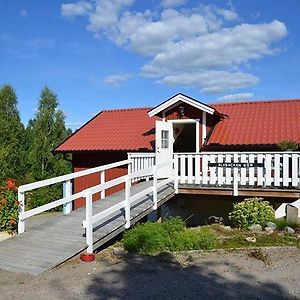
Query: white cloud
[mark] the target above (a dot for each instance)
(235, 97)
(172, 3)
(204, 46)
(23, 13)
(80, 8)
(116, 79)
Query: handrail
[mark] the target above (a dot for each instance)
(237, 152)
(91, 219)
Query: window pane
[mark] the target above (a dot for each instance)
(164, 139)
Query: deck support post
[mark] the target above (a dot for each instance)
(127, 200)
(21, 222)
(154, 187)
(89, 223)
(176, 178)
(102, 180)
(67, 192)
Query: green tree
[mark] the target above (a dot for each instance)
(12, 136)
(46, 131)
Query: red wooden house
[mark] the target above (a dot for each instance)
(180, 124)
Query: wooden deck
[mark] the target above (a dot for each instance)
(62, 236)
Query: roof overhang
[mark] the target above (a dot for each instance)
(180, 98)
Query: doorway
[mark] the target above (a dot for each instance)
(185, 139)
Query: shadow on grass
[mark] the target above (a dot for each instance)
(142, 277)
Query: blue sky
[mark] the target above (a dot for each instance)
(102, 54)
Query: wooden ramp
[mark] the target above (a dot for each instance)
(62, 237)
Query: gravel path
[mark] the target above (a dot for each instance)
(195, 275)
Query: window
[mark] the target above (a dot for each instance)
(164, 139)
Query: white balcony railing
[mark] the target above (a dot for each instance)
(252, 169)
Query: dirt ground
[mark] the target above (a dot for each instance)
(273, 273)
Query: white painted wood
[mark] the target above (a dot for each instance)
(198, 136)
(154, 187)
(243, 171)
(220, 170)
(212, 170)
(235, 175)
(277, 177)
(127, 202)
(89, 224)
(102, 181)
(197, 169)
(182, 168)
(286, 169)
(228, 171)
(21, 222)
(205, 176)
(295, 170)
(67, 192)
(176, 172)
(164, 147)
(190, 169)
(251, 170)
(268, 170)
(260, 170)
(203, 127)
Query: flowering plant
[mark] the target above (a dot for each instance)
(9, 206)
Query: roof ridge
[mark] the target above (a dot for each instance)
(257, 101)
(125, 109)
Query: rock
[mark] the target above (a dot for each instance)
(255, 227)
(289, 229)
(269, 230)
(271, 225)
(291, 214)
(227, 228)
(216, 220)
(119, 251)
(251, 239)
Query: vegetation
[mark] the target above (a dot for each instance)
(25, 153)
(251, 211)
(8, 206)
(173, 236)
(288, 145)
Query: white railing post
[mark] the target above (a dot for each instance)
(67, 192)
(89, 224)
(102, 180)
(176, 177)
(235, 176)
(21, 222)
(155, 187)
(127, 202)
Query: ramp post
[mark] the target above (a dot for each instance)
(21, 222)
(127, 200)
(155, 187)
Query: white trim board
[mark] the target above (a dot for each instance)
(181, 98)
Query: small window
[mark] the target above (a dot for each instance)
(164, 139)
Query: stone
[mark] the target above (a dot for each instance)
(119, 251)
(289, 229)
(291, 214)
(255, 227)
(216, 220)
(271, 225)
(269, 230)
(227, 228)
(251, 239)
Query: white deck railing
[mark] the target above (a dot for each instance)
(252, 169)
(140, 161)
(67, 199)
(91, 219)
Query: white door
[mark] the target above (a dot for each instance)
(164, 147)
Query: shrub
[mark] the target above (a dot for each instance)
(281, 224)
(286, 145)
(251, 211)
(171, 235)
(9, 206)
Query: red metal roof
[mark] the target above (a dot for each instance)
(122, 129)
(257, 123)
(248, 123)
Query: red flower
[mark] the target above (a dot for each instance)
(17, 203)
(11, 184)
(12, 222)
(3, 201)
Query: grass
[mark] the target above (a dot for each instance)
(173, 236)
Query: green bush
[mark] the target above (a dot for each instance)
(251, 211)
(9, 206)
(286, 145)
(281, 224)
(171, 235)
